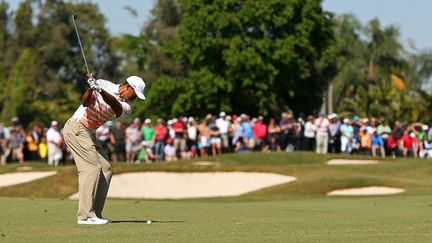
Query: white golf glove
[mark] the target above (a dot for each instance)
(94, 85)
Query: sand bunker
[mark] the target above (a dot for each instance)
(205, 163)
(366, 191)
(351, 162)
(15, 178)
(162, 185)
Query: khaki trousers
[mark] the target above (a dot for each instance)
(94, 169)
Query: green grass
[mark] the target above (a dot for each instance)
(295, 212)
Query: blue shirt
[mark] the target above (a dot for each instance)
(247, 130)
(348, 130)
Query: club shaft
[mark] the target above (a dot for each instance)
(80, 44)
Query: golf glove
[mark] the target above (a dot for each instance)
(95, 86)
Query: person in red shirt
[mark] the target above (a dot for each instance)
(408, 143)
(161, 132)
(259, 130)
(393, 145)
(180, 137)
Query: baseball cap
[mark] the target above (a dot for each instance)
(54, 123)
(222, 114)
(147, 121)
(138, 85)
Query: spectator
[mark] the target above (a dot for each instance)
(102, 136)
(145, 154)
(240, 146)
(408, 143)
(170, 151)
(377, 143)
(32, 147)
(215, 140)
(384, 130)
(260, 133)
(55, 141)
(347, 136)
(148, 133)
(179, 128)
(356, 124)
(322, 137)
(287, 134)
(248, 136)
(223, 124)
(133, 140)
(192, 136)
(118, 140)
(43, 149)
(334, 135)
(365, 141)
(309, 134)
(204, 137)
(161, 133)
(427, 147)
(393, 146)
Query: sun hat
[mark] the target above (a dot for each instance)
(138, 85)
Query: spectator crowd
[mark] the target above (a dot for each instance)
(190, 137)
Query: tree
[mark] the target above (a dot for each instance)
(247, 56)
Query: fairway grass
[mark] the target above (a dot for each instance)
(371, 219)
(300, 211)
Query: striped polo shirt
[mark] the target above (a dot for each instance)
(100, 112)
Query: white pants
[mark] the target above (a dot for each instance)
(54, 154)
(346, 145)
(321, 142)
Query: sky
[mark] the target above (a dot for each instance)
(411, 16)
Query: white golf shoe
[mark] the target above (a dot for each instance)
(93, 220)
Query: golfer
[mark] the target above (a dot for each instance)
(102, 102)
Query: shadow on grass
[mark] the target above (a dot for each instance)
(145, 221)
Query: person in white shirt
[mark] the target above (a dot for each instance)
(223, 125)
(309, 134)
(54, 140)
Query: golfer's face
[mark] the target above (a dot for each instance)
(127, 92)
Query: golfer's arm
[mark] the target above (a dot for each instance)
(113, 102)
(87, 97)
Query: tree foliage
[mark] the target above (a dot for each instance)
(248, 56)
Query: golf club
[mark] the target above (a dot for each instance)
(74, 17)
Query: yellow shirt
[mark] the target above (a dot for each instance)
(43, 150)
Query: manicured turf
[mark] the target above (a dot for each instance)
(296, 212)
(372, 219)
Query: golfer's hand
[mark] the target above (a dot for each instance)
(95, 86)
(90, 77)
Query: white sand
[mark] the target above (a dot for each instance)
(15, 178)
(366, 191)
(205, 163)
(351, 162)
(163, 185)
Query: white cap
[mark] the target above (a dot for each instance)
(222, 114)
(191, 119)
(54, 123)
(425, 127)
(138, 85)
(332, 116)
(147, 121)
(346, 120)
(365, 120)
